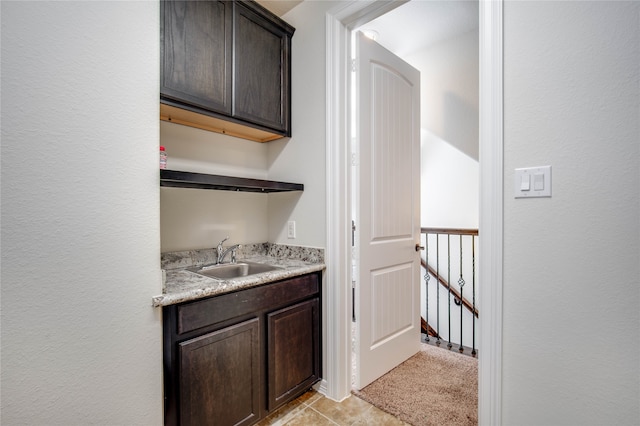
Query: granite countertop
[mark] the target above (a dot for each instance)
(182, 284)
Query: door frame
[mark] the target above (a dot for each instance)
(339, 22)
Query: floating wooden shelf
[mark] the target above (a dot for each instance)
(177, 179)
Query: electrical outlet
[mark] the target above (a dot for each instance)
(291, 229)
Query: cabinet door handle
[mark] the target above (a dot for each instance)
(419, 247)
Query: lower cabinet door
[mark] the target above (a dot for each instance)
(220, 376)
(293, 336)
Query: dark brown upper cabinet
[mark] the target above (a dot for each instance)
(226, 67)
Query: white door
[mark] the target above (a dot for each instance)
(387, 302)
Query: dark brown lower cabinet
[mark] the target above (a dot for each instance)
(229, 360)
(232, 359)
(293, 336)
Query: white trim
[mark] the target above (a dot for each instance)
(337, 276)
(322, 387)
(339, 20)
(338, 342)
(491, 213)
(351, 14)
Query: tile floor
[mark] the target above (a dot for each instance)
(313, 408)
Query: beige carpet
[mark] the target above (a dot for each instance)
(434, 387)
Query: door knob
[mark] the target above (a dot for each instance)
(419, 247)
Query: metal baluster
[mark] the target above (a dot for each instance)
(438, 289)
(426, 281)
(449, 345)
(461, 284)
(473, 282)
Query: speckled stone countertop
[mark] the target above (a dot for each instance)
(182, 284)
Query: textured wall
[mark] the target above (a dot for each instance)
(449, 137)
(449, 186)
(449, 88)
(302, 158)
(195, 218)
(572, 262)
(81, 343)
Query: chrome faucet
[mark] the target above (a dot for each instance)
(222, 252)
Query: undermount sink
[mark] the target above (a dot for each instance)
(227, 271)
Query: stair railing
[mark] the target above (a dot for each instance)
(462, 264)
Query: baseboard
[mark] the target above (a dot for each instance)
(321, 387)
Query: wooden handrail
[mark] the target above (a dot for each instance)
(427, 329)
(456, 231)
(453, 291)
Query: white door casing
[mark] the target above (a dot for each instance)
(388, 218)
(339, 22)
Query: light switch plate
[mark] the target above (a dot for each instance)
(533, 182)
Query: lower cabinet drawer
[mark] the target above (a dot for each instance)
(202, 313)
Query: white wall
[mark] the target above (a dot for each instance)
(196, 218)
(196, 150)
(449, 95)
(81, 343)
(571, 343)
(449, 185)
(449, 90)
(302, 158)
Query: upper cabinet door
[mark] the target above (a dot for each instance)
(262, 69)
(196, 43)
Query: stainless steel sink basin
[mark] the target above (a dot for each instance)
(227, 271)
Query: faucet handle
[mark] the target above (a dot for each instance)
(233, 253)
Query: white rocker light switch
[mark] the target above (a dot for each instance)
(538, 182)
(541, 177)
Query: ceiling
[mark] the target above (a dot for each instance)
(279, 7)
(420, 23)
(413, 25)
